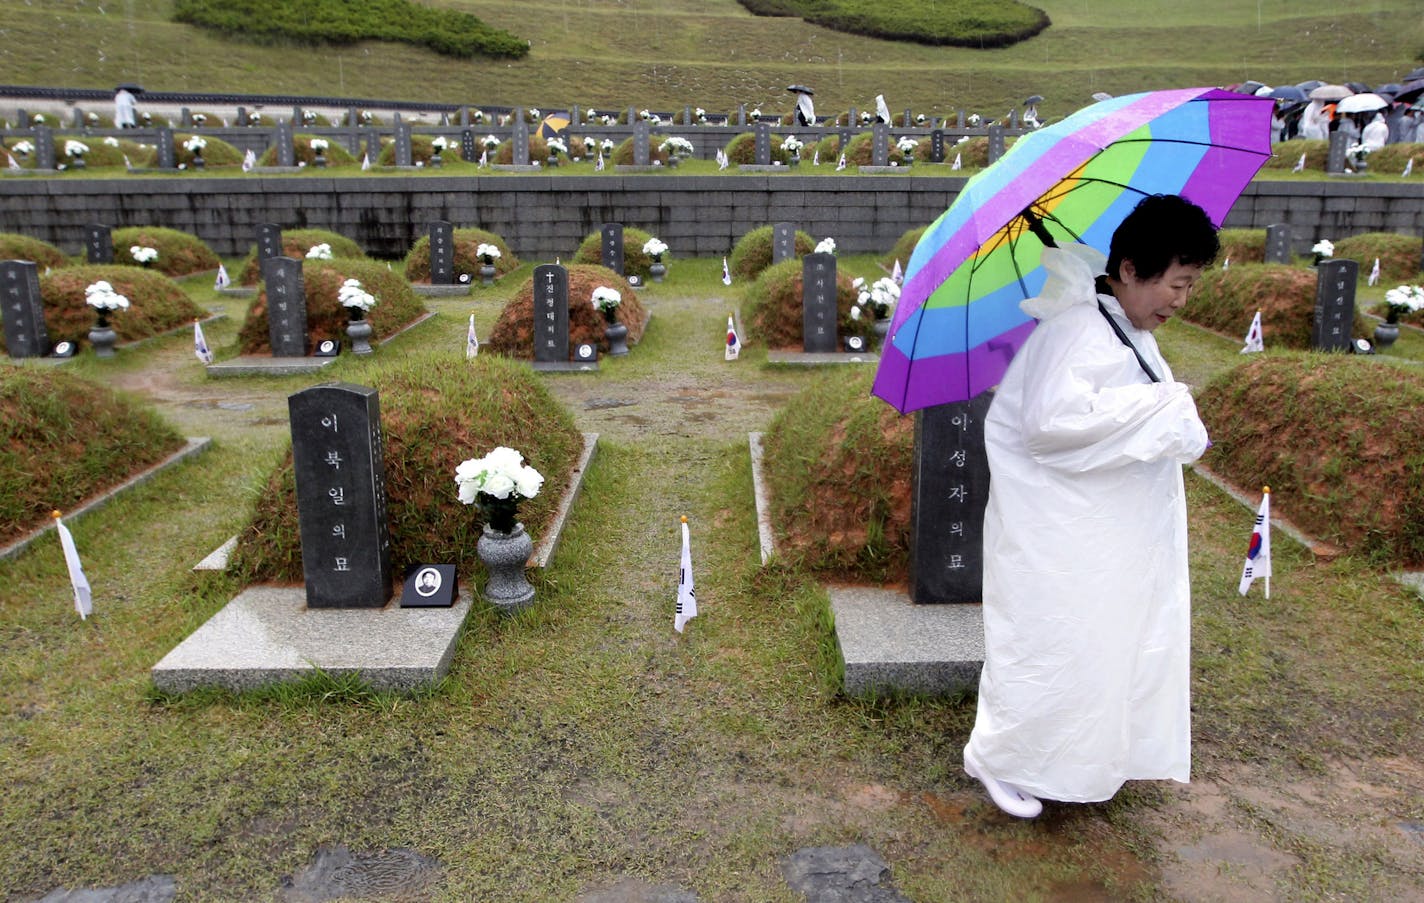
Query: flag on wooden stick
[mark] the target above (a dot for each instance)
(726, 273)
(83, 598)
(734, 341)
(1254, 336)
(686, 598)
(1258, 555)
(472, 344)
(222, 280)
(200, 344)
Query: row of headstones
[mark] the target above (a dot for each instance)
(879, 143)
(1334, 292)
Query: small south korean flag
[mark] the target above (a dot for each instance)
(200, 344)
(1258, 555)
(1254, 336)
(734, 341)
(726, 273)
(686, 598)
(222, 280)
(472, 344)
(1299, 164)
(249, 161)
(898, 274)
(1375, 272)
(83, 597)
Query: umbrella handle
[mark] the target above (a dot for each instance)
(1036, 226)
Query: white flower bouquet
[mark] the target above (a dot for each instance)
(792, 145)
(606, 300)
(477, 117)
(319, 252)
(654, 247)
(826, 246)
(607, 146)
(195, 143)
(645, 115)
(489, 142)
(592, 115)
(487, 253)
(200, 118)
(556, 146)
(352, 295)
(677, 147)
(92, 118)
(755, 115)
(610, 120)
(879, 298)
(906, 145)
(1405, 299)
(37, 119)
(22, 148)
(589, 144)
(701, 115)
(1323, 249)
(921, 119)
(75, 148)
(440, 143)
(143, 254)
(102, 297)
(319, 145)
(111, 141)
(497, 483)
(1357, 154)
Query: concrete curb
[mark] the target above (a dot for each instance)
(763, 500)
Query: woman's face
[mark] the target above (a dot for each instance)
(1149, 303)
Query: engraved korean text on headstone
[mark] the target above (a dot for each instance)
(286, 306)
(551, 313)
(23, 310)
(818, 302)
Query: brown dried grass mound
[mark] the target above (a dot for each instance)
(1242, 245)
(295, 244)
(437, 410)
(156, 303)
(1398, 255)
(14, 246)
(838, 462)
(1226, 300)
(63, 440)
(513, 333)
(752, 253)
(179, 254)
(636, 262)
(1338, 438)
(467, 262)
(775, 312)
(1286, 154)
(396, 304)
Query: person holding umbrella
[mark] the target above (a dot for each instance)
(805, 107)
(124, 107)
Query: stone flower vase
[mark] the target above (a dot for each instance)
(319, 159)
(359, 330)
(102, 337)
(504, 548)
(77, 162)
(615, 332)
(1387, 333)
(487, 273)
(658, 269)
(881, 326)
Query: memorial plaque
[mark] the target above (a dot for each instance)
(551, 313)
(1278, 243)
(1335, 156)
(762, 143)
(844, 137)
(25, 333)
(642, 154)
(909, 120)
(338, 461)
(520, 140)
(783, 242)
(44, 148)
(468, 149)
(818, 303)
(286, 151)
(1334, 305)
(98, 243)
(269, 241)
(880, 144)
(996, 142)
(937, 146)
(241, 117)
(442, 253)
(612, 246)
(373, 147)
(951, 488)
(430, 586)
(286, 306)
(185, 118)
(403, 154)
(167, 153)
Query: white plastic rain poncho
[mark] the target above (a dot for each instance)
(1086, 596)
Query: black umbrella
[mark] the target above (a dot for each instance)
(1288, 92)
(1249, 87)
(1416, 74)
(1358, 87)
(130, 87)
(1392, 89)
(1033, 99)
(800, 89)
(1311, 85)
(1410, 91)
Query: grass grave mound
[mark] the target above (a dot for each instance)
(216, 152)
(774, 309)
(437, 410)
(1242, 245)
(396, 303)
(1340, 444)
(295, 244)
(1225, 301)
(1398, 255)
(1391, 159)
(336, 153)
(838, 463)
(63, 440)
(904, 248)
(538, 151)
(14, 246)
(623, 153)
(422, 151)
(156, 303)
(636, 261)
(467, 262)
(1286, 154)
(513, 332)
(741, 150)
(179, 254)
(752, 253)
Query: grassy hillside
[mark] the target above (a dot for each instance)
(712, 53)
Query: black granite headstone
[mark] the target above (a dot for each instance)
(352, 117)
(996, 142)
(269, 241)
(352, 139)
(286, 151)
(286, 306)
(844, 136)
(1334, 305)
(880, 144)
(98, 243)
(520, 140)
(78, 118)
(686, 116)
(908, 121)
(1013, 119)
(612, 246)
(853, 117)
(373, 147)
(951, 488)
(959, 119)
(298, 115)
(1335, 156)
(551, 313)
(404, 155)
(818, 303)
(741, 115)
(339, 463)
(167, 154)
(464, 116)
(762, 143)
(22, 119)
(185, 118)
(241, 117)
(1278, 243)
(442, 253)
(937, 146)
(25, 333)
(468, 149)
(45, 157)
(642, 153)
(783, 242)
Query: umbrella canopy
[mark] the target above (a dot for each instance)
(1288, 92)
(1250, 87)
(1390, 89)
(1033, 99)
(1330, 92)
(1361, 103)
(553, 125)
(799, 89)
(958, 322)
(1410, 91)
(1357, 87)
(1416, 74)
(1309, 86)
(130, 87)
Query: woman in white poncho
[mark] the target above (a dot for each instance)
(1086, 595)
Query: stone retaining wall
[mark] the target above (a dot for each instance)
(542, 217)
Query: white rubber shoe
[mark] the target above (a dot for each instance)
(1006, 796)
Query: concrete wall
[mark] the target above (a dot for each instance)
(542, 217)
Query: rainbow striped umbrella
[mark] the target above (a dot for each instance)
(958, 322)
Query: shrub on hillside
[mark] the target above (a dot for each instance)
(958, 23)
(156, 303)
(1226, 300)
(336, 153)
(1286, 154)
(775, 311)
(1359, 483)
(635, 261)
(437, 410)
(838, 462)
(397, 305)
(513, 332)
(65, 440)
(752, 252)
(295, 244)
(467, 262)
(1398, 255)
(179, 253)
(14, 246)
(1242, 245)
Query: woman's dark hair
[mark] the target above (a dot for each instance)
(1161, 230)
